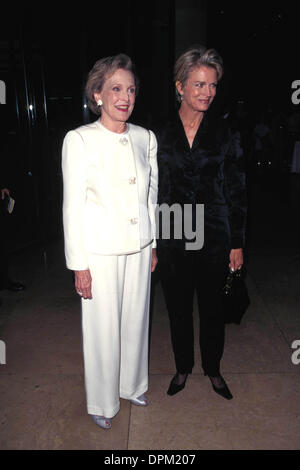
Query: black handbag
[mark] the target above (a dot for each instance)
(235, 298)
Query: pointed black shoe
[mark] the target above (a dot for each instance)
(223, 391)
(175, 388)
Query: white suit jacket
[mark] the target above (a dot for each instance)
(110, 192)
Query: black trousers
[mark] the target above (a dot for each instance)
(182, 274)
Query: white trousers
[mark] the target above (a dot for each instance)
(115, 325)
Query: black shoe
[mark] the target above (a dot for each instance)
(12, 286)
(223, 390)
(174, 387)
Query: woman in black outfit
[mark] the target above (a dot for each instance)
(200, 162)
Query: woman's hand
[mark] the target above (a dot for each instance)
(236, 259)
(154, 260)
(83, 283)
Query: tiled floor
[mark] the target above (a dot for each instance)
(42, 389)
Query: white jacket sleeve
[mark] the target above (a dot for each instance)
(74, 197)
(153, 189)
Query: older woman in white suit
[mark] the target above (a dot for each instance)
(110, 192)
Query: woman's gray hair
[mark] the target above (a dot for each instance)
(101, 71)
(196, 56)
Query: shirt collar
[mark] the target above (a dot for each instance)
(201, 131)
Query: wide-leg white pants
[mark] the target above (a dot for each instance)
(115, 325)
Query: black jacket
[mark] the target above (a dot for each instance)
(209, 173)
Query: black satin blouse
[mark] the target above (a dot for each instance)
(209, 173)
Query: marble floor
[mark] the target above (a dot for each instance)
(42, 388)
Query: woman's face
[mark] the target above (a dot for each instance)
(200, 88)
(118, 97)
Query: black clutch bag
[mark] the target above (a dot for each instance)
(235, 298)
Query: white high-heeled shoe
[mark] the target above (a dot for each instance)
(142, 400)
(101, 421)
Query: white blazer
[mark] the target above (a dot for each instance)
(110, 192)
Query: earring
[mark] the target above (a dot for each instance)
(99, 103)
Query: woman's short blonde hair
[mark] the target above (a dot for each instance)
(196, 56)
(101, 71)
